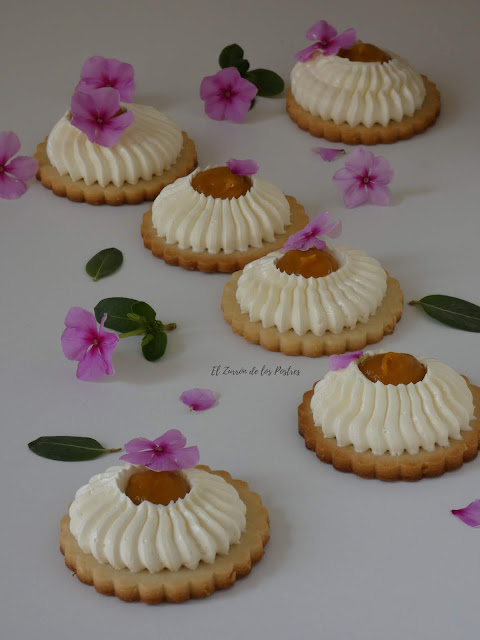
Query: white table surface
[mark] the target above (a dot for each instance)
(349, 559)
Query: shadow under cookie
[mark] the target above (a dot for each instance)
(291, 344)
(410, 467)
(176, 586)
(218, 262)
(79, 191)
(408, 127)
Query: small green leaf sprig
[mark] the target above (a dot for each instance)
(268, 83)
(451, 311)
(104, 263)
(69, 448)
(130, 317)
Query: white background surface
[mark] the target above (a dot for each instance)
(349, 559)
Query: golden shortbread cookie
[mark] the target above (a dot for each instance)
(288, 342)
(218, 262)
(176, 586)
(78, 191)
(376, 134)
(411, 467)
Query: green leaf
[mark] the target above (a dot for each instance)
(451, 311)
(117, 310)
(154, 345)
(145, 310)
(68, 448)
(242, 66)
(230, 56)
(267, 82)
(104, 263)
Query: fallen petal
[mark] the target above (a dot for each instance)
(199, 399)
(469, 515)
(328, 155)
(342, 361)
(242, 167)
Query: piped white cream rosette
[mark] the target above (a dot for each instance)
(349, 407)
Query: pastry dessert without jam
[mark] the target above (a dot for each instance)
(313, 302)
(360, 95)
(392, 416)
(218, 220)
(170, 535)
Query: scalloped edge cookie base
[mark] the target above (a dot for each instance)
(408, 127)
(290, 344)
(408, 467)
(176, 586)
(218, 262)
(78, 191)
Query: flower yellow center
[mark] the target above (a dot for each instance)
(100, 120)
(95, 342)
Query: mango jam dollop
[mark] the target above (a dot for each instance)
(220, 182)
(364, 52)
(393, 368)
(159, 487)
(312, 263)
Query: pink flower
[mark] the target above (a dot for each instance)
(98, 72)
(364, 179)
(227, 95)
(167, 453)
(91, 347)
(14, 174)
(328, 155)
(242, 167)
(94, 113)
(199, 399)
(469, 515)
(328, 40)
(342, 361)
(308, 236)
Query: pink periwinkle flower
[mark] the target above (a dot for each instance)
(166, 453)
(364, 179)
(342, 361)
(98, 72)
(307, 237)
(227, 95)
(243, 167)
(328, 42)
(94, 113)
(199, 399)
(328, 155)
(91, 347)
(14, 174)
(469, 515)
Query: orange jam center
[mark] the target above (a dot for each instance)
(312, 263)
(220, 182)
(393, 368)
(159, 487)
(364, 52)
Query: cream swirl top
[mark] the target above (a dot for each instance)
(393, 418)
(365, 93)
(195, 221)
(107, 524)
(148, 147)
(287, 301)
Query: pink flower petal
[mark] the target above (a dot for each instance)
(139, 444)
(93, 366)
(163, 462)
(10, 187)
(244, 88)
(82, 106)
(144, 458)
(111, 132)
(379, 195)
(344, 41)
(215, 108)
(98, 72)
(237, 109)
(9, 146)
(322, 31)
(355, 195)
(210, 87)
(382, 171)
(469, 515)
(344, 176)
(186, 458)
(333, 230)
(242, 167)
(81, 319)
(305, 54)
(228, 77)
(199, 399)
(308, 236)
(342, 361)
(171, 439)
(75, 343)
(22, 167)
(227, 95)
(328, 155)
(361, 161)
